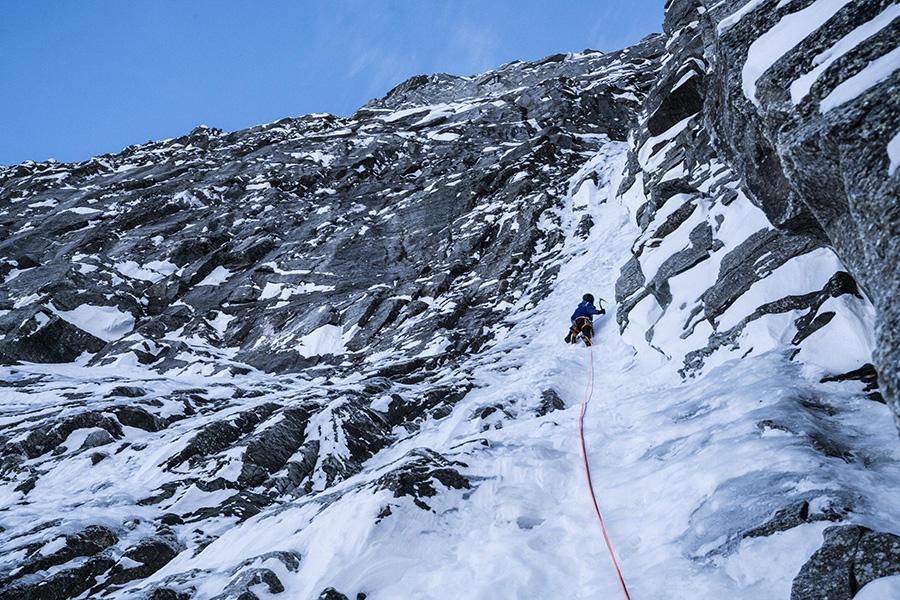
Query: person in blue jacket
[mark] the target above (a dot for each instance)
(583, 320)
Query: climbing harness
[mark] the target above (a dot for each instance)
(583, 326)
(588, 393)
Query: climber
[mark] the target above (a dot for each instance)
(583, 320)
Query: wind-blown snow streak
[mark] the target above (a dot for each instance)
(800, 87)
(780, 39)
(875, 72)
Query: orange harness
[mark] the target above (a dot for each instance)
(580, 323)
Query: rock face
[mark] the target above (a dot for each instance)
(708, 160)
(785, 113)
(304, 248)
(797, 101)
(809, 129)
(238, 329)
(212, 234)
(850, 558)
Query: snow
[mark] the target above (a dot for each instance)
(847, 342)
(799, 275)
(759, 561)
(185, 197)
(782, 38)
(327, 339)
(435, 347)
(13, 274)
(105, 322)
(681, 468)
(672, 243)
(26, 300)
(83, 210)
(280, 271)
(733, 18)
(886, 588)
(285, 291)
(45, 204)
(444, 137)
(875, 72)
(801, 86)
(194, 499)
(220, 322)
(893, 150)
(57, 544)
(743, 219)
(676, 468)
(218, 276)
(645, 153)
(272, 290)
(316, 156)
(152, 271)
(401, 114)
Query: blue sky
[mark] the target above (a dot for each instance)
(78, 79)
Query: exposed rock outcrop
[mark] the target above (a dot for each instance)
(850, 557)
(808, 130)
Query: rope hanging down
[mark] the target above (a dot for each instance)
(587, 471)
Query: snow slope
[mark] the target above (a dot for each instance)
(324, 359)
(682, 469)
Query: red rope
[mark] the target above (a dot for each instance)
(587, 471)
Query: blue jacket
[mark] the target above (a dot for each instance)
(586, 309)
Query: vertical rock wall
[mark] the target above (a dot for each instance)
(762, 167)
(804, 100)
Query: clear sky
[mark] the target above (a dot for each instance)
(78, 79)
